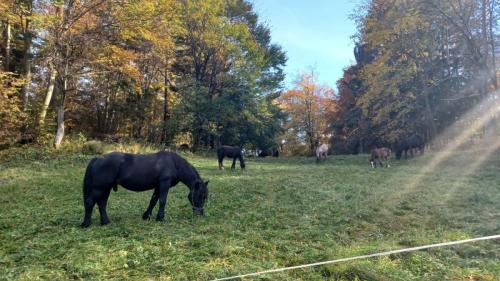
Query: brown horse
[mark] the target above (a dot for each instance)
(379, 155)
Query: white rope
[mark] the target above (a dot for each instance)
(388, 253)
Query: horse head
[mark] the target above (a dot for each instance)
(198, 195)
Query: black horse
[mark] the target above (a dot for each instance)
(409, 145)
(232, 152)
(269, 152)
(158, 171)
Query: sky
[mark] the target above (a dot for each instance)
(315, 34)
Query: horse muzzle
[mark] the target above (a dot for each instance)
(198, 211)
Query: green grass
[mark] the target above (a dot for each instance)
(279, 212)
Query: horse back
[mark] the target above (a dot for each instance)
(133, 171)
(229, 151)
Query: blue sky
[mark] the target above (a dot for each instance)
(314, 33)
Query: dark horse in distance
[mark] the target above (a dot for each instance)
(414, 142)
(380, 155)
(231, 152)
(159, 171)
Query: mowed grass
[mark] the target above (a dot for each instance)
(279, 212)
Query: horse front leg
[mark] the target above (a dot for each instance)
(152, 204)
(162, 197)
(221, 163)
(102, 201)
(233, 166)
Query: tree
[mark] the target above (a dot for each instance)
(233, 68)
(309, 108)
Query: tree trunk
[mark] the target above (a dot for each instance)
(48, 97)
(60, 111)
(26, 63)
(311, 142)
(104, 126)
(429, 116)
(7, 46)
(60, 127)
(166, 113)
(60, 116)
(492, 44)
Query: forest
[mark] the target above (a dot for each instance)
(206, 73)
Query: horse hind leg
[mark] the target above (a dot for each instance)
(102, 201)
(88, 204)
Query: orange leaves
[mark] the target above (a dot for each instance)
(120, 60)
(309, 106)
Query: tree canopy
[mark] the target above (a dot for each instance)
(205, 72)
(420, 65)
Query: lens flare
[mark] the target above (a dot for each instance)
(476, 119)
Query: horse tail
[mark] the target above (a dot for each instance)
(87, 179)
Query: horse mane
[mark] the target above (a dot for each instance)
(181, 163)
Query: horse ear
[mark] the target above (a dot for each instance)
(206, 183)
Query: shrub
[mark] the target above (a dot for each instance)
(93, 147)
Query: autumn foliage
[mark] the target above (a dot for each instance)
(310, 108)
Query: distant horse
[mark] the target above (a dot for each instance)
(231, 152)
(269, 152)
(379, 155)
(414, 142)
(159, 171)
(184, 147)
(321, 152)
(264, 153)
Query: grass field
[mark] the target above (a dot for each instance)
(279, 212)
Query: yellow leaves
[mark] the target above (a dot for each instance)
(11, 116)
(121, 60)
(154, 21)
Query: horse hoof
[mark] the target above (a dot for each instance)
(145, 217)
(103, 223)
(160, 219)
(85, 224)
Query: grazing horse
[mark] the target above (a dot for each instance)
(321, 152)
(231, 152)
(409, 145)
(159, 171)
(379, 155)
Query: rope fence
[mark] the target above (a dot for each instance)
(388, 253)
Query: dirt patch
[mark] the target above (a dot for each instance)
(4, 181)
